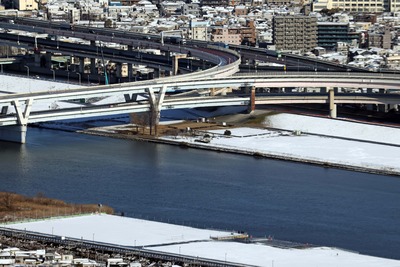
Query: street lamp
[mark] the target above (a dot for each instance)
(79, 77)
(27, 70)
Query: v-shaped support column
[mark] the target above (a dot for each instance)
(22, 116)
(156, 105)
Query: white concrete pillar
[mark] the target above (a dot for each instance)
(332, 105)
(156, 105)
(175, 66)
(15, 133)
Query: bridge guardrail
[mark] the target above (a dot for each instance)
(322, 74)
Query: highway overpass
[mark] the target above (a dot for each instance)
(159, 97)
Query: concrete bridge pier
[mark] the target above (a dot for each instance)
(252, 106)
(332, 105)
(38, 58)
(81, 64)
(155, 106)
(14, 133)
(130, 74)
(93, 69)
(383, 108)
(130, 48)
(175, 63)
(118, 72)
(17, 133)
(48, 64)
(156, 73)
(43, 61)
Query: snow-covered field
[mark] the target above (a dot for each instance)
(335, 128)
(19, 84)
(194, 242)
(320, 149)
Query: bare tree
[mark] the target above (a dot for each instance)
(7, 200)
(140, 120)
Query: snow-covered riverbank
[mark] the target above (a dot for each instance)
(331, 143)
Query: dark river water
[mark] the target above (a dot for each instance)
(289, 201)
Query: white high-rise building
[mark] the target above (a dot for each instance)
(374, 6)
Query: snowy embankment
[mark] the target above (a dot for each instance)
(188, 241)
(335, 128)
(332, 143)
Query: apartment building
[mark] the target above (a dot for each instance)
(226, 35)
(249, 33)
(394, 5)
(380, 39)
(191, 9)
(331, 33)
(295, 33)
(352, 6)
(198, 30)
(215, 3)
(26, 4)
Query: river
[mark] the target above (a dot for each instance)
(263, 197)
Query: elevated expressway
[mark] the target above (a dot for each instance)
(28, 109)
(27, 105)
(219, 57)
(291, 61)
